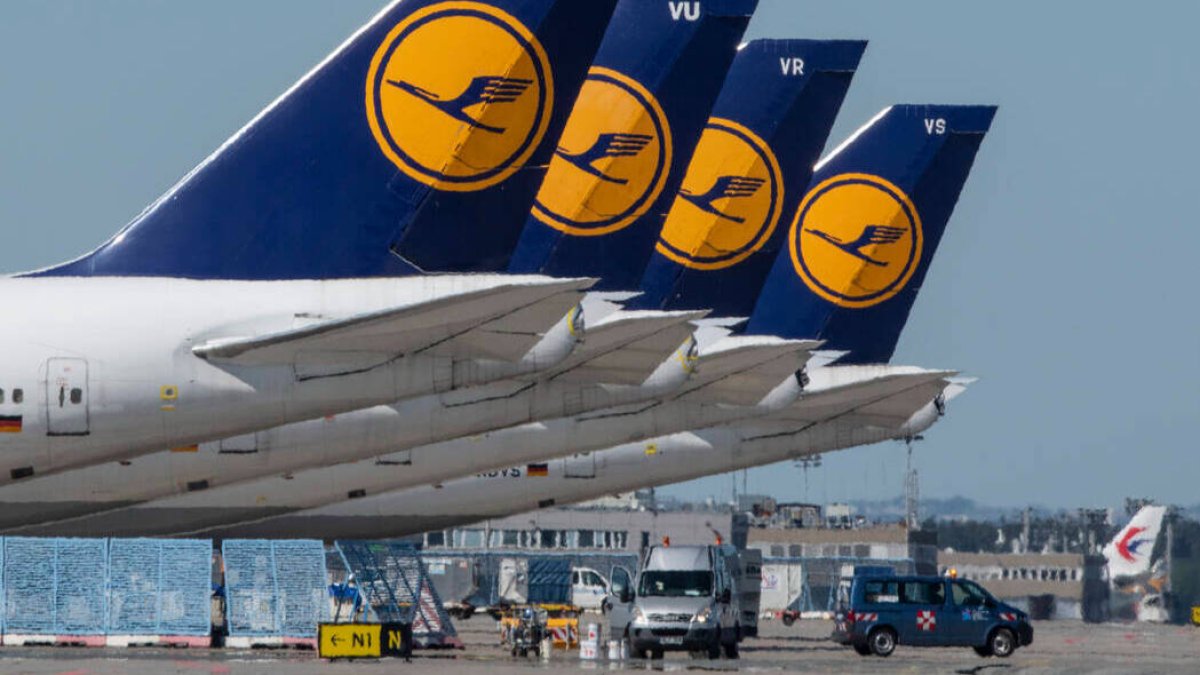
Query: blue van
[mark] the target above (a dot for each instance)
(883, 611)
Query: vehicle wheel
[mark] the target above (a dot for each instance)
(862, 650)
(656, 654)
(1002, 643)
(731, 650)
(639, 653)
(982, 651)
(788, 619)
(714, 648)
(882, 641)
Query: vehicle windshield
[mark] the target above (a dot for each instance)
(969, 594)
(676, 584)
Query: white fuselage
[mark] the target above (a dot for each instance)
(201, 511)
(106, 369)
(656, 462)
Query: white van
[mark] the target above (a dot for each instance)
(684, 598)
(588, 589)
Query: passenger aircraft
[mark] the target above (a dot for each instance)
(936, 166)
(233, 304)
(611, 353)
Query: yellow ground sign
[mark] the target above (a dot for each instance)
(1196, 615)
(363, 640)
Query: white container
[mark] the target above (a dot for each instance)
(593, 632)
(547, 648)
(618, 650)
(589, 650)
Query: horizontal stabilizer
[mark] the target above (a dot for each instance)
(400, 330)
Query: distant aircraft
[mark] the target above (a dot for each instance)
(1128, 554)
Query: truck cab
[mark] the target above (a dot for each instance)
(684, 598)
(884, 611)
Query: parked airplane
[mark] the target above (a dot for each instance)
(941, 162)
(109, 368)
(905, 169)
(610, 354)
(1128, 554)
(624, 352)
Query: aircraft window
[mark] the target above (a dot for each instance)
(18, 396)
(76, 396)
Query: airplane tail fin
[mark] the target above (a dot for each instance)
(748, 174)
(861, 241)
(624, 150)
(431, 113)
(1129, 552)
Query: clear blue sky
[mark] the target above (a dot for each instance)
(1065, 281)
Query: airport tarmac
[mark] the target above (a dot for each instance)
(1059, 647)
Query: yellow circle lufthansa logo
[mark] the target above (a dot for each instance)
(856, 240)
(612, 160)
(459, 95)
(730, 201)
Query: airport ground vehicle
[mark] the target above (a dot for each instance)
(683, 599)
(884, 611)
(588, 589)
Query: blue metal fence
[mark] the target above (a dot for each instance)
(275, 588)
(160, 587)
(55, 586)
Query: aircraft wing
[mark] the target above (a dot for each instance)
(626, 346)
(636, 359)
(893, 411)
(511, 336)
(743, 369)
(876, 392)
(442, 326)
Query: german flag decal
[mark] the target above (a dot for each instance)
(537, 470)
(11, 424)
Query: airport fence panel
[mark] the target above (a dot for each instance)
(55, 586)
(275, 588)
(160, 587)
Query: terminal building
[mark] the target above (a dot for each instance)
(1047, 585)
